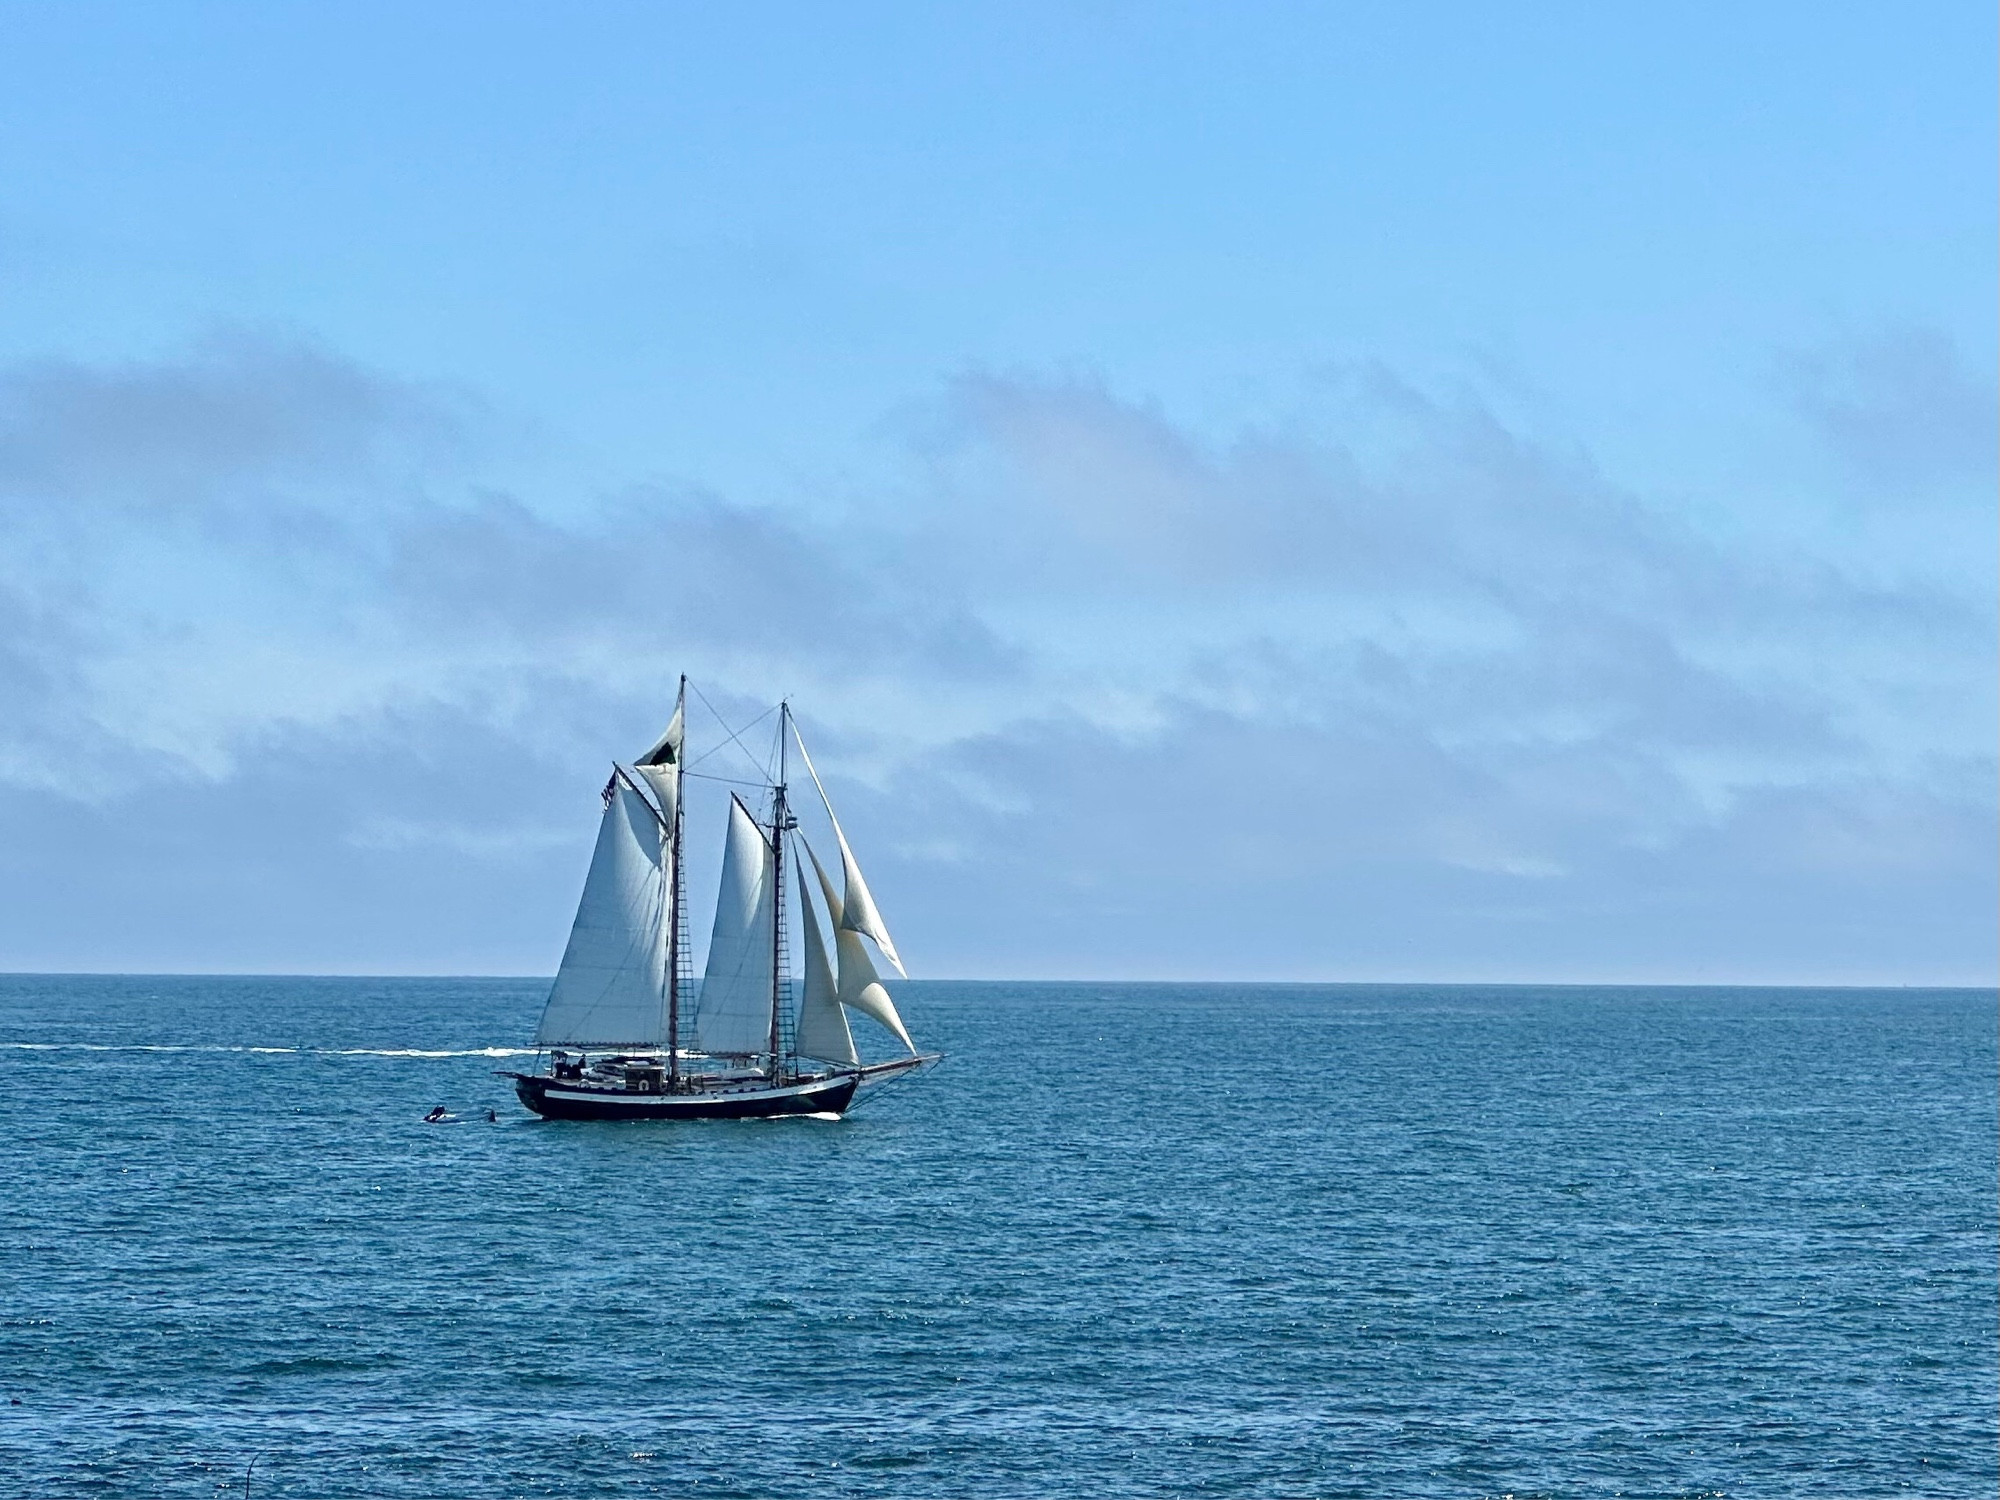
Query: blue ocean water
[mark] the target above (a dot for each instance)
(1130, 1240)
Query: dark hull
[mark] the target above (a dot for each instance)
(556, 1099)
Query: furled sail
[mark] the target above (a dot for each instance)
(822, 1029)
(858, 985)
(608, 992)
(858, 910)
(734, 1011)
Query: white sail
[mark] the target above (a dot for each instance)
(858, 910)
(608, 992)
(825, 886)
(661, 765)
(666, 749)
(823, 1029)
(733, 1013)
(666, 784)
(860, 987)
(858, 984)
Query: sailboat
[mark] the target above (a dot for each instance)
(627, 1032)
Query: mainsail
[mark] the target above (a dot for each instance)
(822, 1031)
(734, 1011)
(608, 991)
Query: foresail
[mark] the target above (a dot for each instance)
(857, 911)
(733, 1013)
(857, 906)
(825, 887)
(860, 987)
(822, 1030)
(608, 992)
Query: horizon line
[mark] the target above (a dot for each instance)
(1622, 984)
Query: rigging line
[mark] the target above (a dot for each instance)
(732, 733)
(878, 1090)
(731, 780)
(735, 737)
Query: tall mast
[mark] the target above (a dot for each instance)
(674, 895)
(779, 820)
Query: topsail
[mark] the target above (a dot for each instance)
(661, 765)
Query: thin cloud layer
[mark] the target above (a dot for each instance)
(1393, 690)
(1902, 410)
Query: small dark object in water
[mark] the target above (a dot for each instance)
(492, 1118)
(437, 1116)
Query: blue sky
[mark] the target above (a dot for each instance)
(1329, 492)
